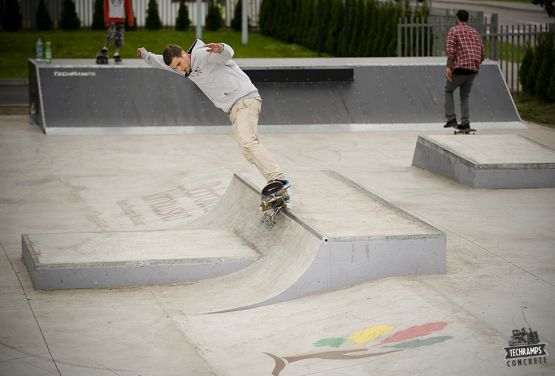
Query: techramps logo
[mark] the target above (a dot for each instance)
(525, 349)
(368, 343)
(74, 74)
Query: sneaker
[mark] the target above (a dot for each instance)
(451, 123)
(285, 183)
(287, 197)
(117, 58)
(463, 126)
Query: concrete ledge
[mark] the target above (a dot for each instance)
(489, 161)
(119, 259)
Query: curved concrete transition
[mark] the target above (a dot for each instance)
(312, 248)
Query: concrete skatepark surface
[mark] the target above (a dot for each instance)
(500, 262)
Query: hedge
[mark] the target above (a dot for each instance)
(537, 71)
(336, 27)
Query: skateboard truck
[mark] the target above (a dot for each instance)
(272, 201)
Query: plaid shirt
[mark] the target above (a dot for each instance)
(464, 48)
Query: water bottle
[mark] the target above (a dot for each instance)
(38, 50)
(48, 51)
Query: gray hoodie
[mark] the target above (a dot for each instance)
(219, 77)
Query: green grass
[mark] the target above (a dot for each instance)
(535, 111)
(19, 46)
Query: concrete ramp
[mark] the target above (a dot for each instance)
(75, 96)
(487, 161)
(322, 244)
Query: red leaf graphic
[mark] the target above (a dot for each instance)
(415, 331)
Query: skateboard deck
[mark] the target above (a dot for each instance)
(102, 57)
(464, 131)
(272, 200)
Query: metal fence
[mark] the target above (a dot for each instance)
(506, 44)
(167, 10)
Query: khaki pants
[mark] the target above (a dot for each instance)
(244, 117)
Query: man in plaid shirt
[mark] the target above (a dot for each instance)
(465, 53)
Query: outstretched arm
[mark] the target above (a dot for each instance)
(154, 60)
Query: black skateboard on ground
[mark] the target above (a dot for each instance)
(102, 57)
(272, 201)
(464, 131)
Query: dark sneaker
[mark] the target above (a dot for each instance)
(287, 197)
(117, 58)
(463, 126)
(451, 124)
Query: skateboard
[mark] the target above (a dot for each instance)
(465, 131)
(102, 57)
(272, 201)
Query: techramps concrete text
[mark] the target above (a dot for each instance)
(339, 235)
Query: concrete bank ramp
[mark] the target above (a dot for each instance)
(76, 96)
(487, 161)
(338, 235)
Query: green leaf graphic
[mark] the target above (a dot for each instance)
(330, 342)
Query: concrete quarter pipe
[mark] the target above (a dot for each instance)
(311, 249)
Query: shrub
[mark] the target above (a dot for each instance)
(214, 20)
(537, 71)
(182, 22)
(12, 18)
(153, 17)
(237, 21)
(525, 69)
(69, 19)
(98, 15)
(44, 22)
(546, 64)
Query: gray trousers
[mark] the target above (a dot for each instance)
(464, 83)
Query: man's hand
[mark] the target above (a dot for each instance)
(214, 47)
(140, 52)
(448, 74)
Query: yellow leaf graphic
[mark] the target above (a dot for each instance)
(369, 334)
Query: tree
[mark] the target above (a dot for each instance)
(214, 20)
(69, 19)
(98, 15)
(12, 19)
(334, 27)
(182, 22)
(153, 18)
(44, 22)
(525, 69)
(551, 89)
(237, 21)
(546, 67)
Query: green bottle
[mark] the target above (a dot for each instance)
(48, 51)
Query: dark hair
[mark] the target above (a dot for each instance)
(462, 15)
(171, 51)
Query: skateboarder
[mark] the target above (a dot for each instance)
(465, 53)
(211, 68)
(115, 12)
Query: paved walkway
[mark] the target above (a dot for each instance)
(500, 275)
